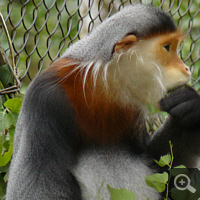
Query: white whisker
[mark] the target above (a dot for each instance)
(95, 71)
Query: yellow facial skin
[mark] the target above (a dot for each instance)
(176, 73)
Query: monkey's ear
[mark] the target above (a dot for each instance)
(125, 43)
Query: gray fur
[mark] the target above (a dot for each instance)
(138, 20)
(117, 168)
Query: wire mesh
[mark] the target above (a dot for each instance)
(41, 30)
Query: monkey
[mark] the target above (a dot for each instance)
(82, 122)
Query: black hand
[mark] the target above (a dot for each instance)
(184, 107)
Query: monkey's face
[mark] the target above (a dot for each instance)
(175, 72)
(144, 70)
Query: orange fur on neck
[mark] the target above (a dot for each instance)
(99, 117)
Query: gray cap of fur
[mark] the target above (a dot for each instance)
(140, 20)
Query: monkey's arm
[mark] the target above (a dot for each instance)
(44, 148)
(182, 128)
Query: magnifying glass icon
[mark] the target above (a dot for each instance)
(182, 182)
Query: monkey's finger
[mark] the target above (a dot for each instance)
(187, 114)
(178, 97)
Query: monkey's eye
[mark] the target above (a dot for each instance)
(167, 47)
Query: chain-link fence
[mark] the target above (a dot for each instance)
(41, 30)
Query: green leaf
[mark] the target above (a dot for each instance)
(13, 105)
(164, 160)
(121, 194)
(163, 114)
(5, 168)
(2, 140)
(151, 108)
(6, 76)
(6, 157)
(181, 166)
(2, 187)
(157, 181)
(10, 119)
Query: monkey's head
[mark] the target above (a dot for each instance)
(133, 56)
